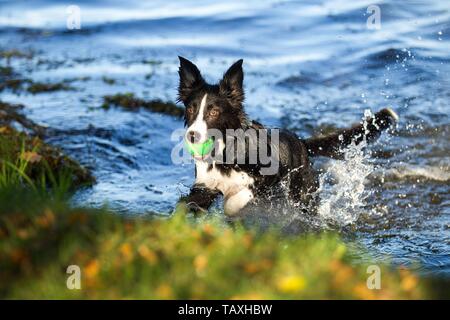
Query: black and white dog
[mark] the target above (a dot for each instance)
(220, 107)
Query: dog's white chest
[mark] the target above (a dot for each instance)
(234, 187)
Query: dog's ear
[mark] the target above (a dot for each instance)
(231, 86)
(190, 79)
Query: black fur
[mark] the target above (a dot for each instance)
(226, 99)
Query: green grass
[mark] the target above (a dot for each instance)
(27, 160)
(174, 258)
(147, 258)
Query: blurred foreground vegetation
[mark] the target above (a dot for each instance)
(175, 258)
(148, 258)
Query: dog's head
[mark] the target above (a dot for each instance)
(218, 106)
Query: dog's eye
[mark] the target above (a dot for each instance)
(214, 113)
(190, 110)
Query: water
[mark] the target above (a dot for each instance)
(310, 66)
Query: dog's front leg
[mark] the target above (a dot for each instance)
(200, 198)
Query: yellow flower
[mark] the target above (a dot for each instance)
(147, 254)
(409, 283)
(126, 251)
(291, 284)
(200, 263)
(409, 280)
(164, 291)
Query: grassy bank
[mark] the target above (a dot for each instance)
(28, 159)
(174, 258)
(179, 257)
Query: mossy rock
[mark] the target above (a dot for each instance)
(130, 102)
(9, 79)
(14, 53)
(38, 87)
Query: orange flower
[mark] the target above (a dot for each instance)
(92, 268)
(208, 229)
(251, 267)
(362, 292)
(247, 240)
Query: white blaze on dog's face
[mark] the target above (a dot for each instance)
(198, 131)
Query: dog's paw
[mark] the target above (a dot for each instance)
(195, 208)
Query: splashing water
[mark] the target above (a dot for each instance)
(342, 186)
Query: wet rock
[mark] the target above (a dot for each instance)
(435, 198)
(6, 71)
(11, 113)
(109, 81)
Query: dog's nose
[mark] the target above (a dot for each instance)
(193, 136)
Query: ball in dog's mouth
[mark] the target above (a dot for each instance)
(200, 151)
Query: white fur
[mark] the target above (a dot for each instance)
(235, 187)
(199, 125)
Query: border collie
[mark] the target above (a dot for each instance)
(220, 107)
